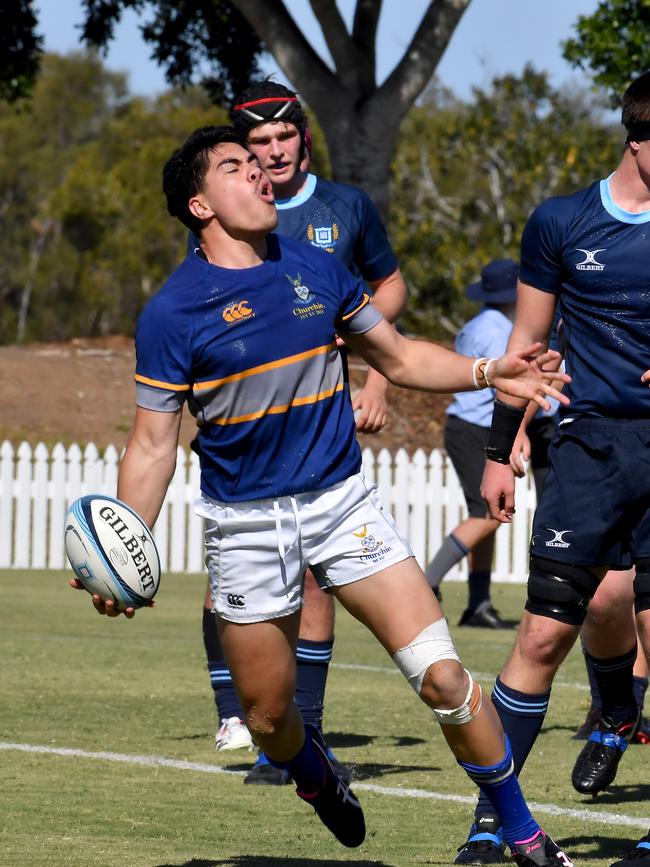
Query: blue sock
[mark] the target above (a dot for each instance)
(521, 716)
(307, 768)
(313, 659)
(499, 784)
(225, 696)
(478, 583)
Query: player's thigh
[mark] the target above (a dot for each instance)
(396, 603)
(262, 660)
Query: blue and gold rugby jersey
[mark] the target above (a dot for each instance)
(596, 258)
(342, 220)
(253, 352)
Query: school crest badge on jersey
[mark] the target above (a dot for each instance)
(324, 237)
(306, 305)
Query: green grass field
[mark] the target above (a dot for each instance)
(132, 689)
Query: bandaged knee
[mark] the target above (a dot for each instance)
(464, 713)
(432, 645)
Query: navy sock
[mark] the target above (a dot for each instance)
(478, 584)
(521, 715)
(639, 687)
(313, 659)
(499, 785)
(596, 700)
(307, 768)
(614, 677)
(225, 697)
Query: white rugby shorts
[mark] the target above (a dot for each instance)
(257, 551)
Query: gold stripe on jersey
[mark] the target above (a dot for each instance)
(278, 410)
(157, 383)
(262, 368)
(366, 299)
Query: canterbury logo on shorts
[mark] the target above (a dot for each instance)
(237, 312)
(236, 601)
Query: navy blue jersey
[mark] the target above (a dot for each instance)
(338, 219)
(253, 351)
(342, 220)
(595, 258)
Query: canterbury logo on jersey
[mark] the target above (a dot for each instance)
(236, 312)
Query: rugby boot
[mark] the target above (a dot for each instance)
(642, 735)
(596, 766)
(483, 616)
(334, 802)
(485, 842)
(637, 857)
(264, 774)
(540, 851)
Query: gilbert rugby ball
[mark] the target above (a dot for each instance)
(112, 551)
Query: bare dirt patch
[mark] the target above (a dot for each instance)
(83, 391)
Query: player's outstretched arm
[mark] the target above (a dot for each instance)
(145, 472)
(426, 366)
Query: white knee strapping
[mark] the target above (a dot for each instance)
(433, 644)
(467, 710)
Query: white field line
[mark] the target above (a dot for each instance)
(482, 675)
(595, 816)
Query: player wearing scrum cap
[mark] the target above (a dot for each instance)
(343, 221)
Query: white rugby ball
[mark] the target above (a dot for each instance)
(112, 551)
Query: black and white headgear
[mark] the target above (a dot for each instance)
(266, 101)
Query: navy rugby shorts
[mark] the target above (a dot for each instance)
(595, 506)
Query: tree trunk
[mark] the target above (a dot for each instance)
(359, 118)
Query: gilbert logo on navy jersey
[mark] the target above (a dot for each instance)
(589, 263)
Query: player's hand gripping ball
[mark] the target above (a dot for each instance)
(112, 551)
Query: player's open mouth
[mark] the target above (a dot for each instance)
(265, 190)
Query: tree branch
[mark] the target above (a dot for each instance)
(422, 56)
(364, 26)
(293, 53)
(337, 37)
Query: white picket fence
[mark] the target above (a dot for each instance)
(37, 486)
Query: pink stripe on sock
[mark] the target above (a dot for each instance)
(530, 839)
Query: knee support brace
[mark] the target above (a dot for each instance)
(559, 590)
(642, 586)
(432, 645)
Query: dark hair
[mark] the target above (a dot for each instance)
(635, 116)
(184, 172)
(266, 101)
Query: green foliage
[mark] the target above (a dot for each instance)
(85, 236)
(613, 43)
(20, 49)
(467, 175)
(187, 37)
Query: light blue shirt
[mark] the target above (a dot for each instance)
(485, 335)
